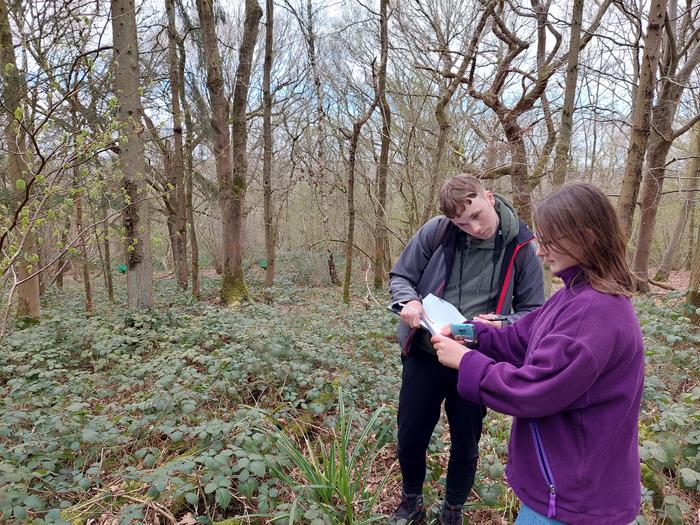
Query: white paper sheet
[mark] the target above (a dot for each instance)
(440, 313)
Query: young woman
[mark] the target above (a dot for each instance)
(571, 372)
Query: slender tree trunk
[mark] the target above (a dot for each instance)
(639, 134)
(694, 284)
(561, 158)
(139, 275)
(107, 256)
(189, 177)
(352, 162)
(267, 148)
(350, 241)
(28, 296)
(321, 176)
(233, 288)
(671, 252)
(692, 237)
(177, 165)
(380, 235)
(662, 137)
(87, 283)
(194, 247)
(82, 248)
(61, 264)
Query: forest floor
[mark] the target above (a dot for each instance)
(194, 413)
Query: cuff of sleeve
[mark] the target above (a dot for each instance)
(483, 335)
(472, 368)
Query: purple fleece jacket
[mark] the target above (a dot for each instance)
(575, 367)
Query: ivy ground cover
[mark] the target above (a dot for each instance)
(285, 413)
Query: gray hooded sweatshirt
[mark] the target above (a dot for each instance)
(501, 274)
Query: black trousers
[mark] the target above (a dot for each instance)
(425, 384)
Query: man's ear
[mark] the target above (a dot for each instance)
(489, 197)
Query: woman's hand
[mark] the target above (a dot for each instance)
(487, 320)
(449, 351)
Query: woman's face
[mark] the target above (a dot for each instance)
(557, 260)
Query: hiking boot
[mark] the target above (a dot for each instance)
(409, 512)
(450, 514)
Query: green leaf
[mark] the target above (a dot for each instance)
(689, 477)
(223, 498)
(673, 509)
(34, 502)
(91, 436)
(20, 184)
(149, 460)
(241, 464)
(210, 487)
(19, 114)
(192, 498)
(258, 468)
(20, 512)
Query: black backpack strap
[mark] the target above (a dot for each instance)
(439, 234)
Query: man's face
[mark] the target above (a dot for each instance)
(479, 219)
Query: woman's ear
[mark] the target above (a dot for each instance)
(590, 237)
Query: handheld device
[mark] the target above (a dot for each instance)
(465, 332)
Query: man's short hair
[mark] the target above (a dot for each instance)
(457, 193)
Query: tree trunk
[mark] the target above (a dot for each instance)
(522, 185)
(28, 303)
(79, 232)
(267, 148)
(352, 162)
(219, 117)
(380, 233)
(177, 167)
(233, 288)
(561, 158)
(87, 283)
(671, 252)
(662, 137)
(139, 275)
(694, 284)
(189, 178)
(639, 133)
(62, 262)
(322, 172)
(107, 256)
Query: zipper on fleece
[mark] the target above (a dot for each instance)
(545, 468)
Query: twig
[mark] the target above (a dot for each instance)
(160, 509)
(662, 285)
(369, 290)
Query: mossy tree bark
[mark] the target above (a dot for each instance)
(139, 275)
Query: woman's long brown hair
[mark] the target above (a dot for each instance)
(579, 221)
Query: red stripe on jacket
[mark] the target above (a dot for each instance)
(506, 281)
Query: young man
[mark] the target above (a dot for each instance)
(480, 258)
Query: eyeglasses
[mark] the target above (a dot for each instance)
(547, 244)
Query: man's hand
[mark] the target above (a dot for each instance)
(411, 313)
(449, 351)
(488, 320)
